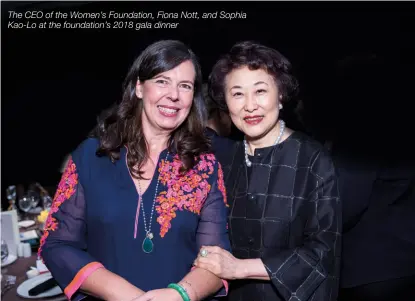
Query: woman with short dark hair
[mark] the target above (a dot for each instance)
(285, 213)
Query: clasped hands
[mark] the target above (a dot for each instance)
(212, 258)
(219, 262)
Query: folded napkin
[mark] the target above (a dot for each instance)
(43, 287)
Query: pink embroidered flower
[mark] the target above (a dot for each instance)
(170, 182)
(203, 184)
(200, 194)
(186, 187)
(202, 165)
(160, 220)
(210, 157)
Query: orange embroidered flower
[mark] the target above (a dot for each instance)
(165, 206)
(176, 187)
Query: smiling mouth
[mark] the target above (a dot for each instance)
(168, 112)
(252, 120)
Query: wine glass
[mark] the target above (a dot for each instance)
(11, 196)
(47, 202)
(4, 250)
(44, 195)
(11, 193)
(34, 197)
(25, 203)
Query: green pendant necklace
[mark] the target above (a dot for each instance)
(148, 244)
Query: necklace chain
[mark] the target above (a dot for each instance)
(282, 128)
(148, 229)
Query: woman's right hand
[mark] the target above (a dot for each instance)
(219, 262)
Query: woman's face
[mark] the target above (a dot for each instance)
(168, 97)
(252, 98)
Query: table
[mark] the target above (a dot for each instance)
(19, 269)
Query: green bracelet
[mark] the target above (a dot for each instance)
(183, 293)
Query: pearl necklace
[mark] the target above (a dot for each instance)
(282, 128)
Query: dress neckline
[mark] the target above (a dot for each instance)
(154, 178)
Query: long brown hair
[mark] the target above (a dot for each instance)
(121, 125)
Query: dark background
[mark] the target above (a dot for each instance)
(56, 81)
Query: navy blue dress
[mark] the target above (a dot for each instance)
(93, 218)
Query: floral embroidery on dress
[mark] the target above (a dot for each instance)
(65, 190)
(186, 192)
(221, 184)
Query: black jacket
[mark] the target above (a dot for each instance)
(285, 209)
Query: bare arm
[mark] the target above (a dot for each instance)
(110, 287)
(252, 269)
(224, 264)
(200, 283)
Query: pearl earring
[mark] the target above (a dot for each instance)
(280, 106)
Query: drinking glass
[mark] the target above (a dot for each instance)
(34, 197)
(4, 250)
(47, 202)
(11, 193)
(25, 203)
(11, 196)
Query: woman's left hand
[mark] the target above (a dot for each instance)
(219, 262)
(164, 294)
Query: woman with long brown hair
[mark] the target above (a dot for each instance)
(137, 200)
